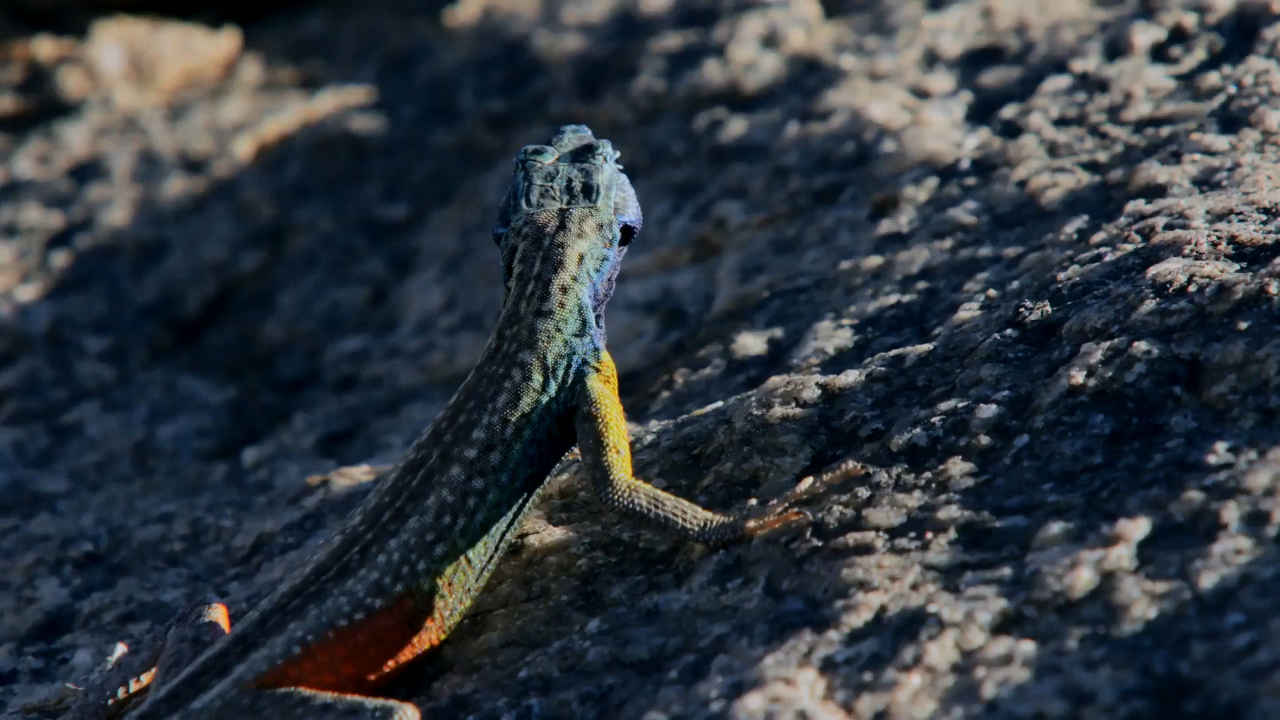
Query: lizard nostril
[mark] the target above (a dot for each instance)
(626, 234)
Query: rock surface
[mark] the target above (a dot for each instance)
(1021, 258)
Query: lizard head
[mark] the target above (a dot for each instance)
(579, 177)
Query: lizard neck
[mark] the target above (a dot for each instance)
(559, 269)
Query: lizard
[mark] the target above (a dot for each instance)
(401, 571)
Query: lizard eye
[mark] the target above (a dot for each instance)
(626, 210)
(541, 154)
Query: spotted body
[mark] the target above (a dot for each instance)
(402, 571)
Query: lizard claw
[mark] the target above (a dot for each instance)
(770, 523)
(779, 513)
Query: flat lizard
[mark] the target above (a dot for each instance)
(403, 569)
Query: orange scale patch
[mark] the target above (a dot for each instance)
(362, 656)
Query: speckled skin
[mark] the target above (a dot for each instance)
(403, 570)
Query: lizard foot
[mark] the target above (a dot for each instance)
(126, 678)
(779, 514)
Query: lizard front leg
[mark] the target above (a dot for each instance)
(606, 455)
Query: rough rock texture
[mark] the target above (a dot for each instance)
(1021, 258)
